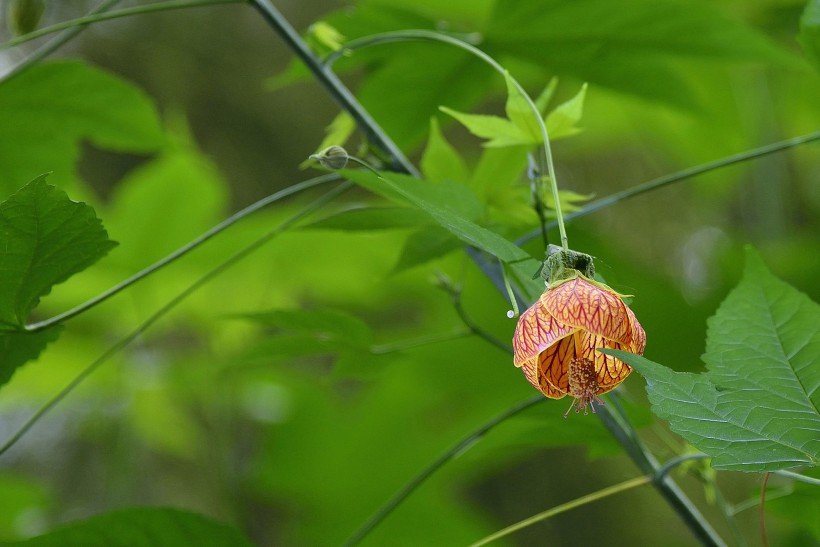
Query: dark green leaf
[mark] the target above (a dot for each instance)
(46, 238)
(756, 409)
(809, 37)
(141, 527)
(424, 245)
(371, 218)
(627, 45)
(20, 347)
(48, 109)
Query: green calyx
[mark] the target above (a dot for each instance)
(564, 264)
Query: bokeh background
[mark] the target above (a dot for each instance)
(298, 435)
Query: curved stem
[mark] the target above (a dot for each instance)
(51, 46)
(678, 176)
(99, 16)
(428, 35)
(185, 249)
(171, 304)
(564, 507)
(462, 446)
(335, 87)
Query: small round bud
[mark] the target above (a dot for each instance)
(333, 157)
(510, 314)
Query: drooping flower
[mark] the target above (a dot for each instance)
(556, 339)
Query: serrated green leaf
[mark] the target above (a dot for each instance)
(20, 347)
(365, 219)
(519, 112)
(561, 121)
(498, 131)
(809, 36)
(756, 409)
(424, 245)
(141, 527)
(338, 132)
(51, 107)
(440, 160)
(45, 238)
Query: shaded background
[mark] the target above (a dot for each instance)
(298, 440)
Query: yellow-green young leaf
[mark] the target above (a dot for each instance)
(141, 527)
(520, 113)
(327, 35)
(498, 131)
(543, 100)
(561, 121)
(339, 130)
(756, 408)
(809, 36)
(440, 160)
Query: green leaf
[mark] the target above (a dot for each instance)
(424, 196)
(20, 347)
(561, 121)
(809, 36)
(138, 527)
(756, 409)
(46, 238)
(440, 160)
(499, 131)
(51, 107)
(424, 245)
(365, 219)
(519, 112)
(627, 46)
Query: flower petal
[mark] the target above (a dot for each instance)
(553, 364)
(610, 371)
(638, 334)
(585, 305)
(535, 331)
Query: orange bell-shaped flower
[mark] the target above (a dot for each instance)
(556, 339)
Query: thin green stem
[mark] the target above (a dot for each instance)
(170, 305)
(335, 87)
(564, 507)
(728, 513)
(678, 176)
(459, 448)
(185, 249)
(428, 35)
(420, 341)
(97, 17)
(51, 46)
(797, 477)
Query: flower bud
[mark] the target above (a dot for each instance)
(333, 157)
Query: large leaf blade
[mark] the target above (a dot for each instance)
(46, 238)
(756, 408)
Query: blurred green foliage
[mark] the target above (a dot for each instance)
(292, 395)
